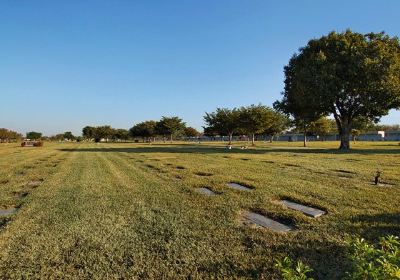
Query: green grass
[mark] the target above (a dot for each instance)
(106, 211)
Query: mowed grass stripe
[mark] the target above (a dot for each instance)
(50, 224)
(14, 181)
(173, 224)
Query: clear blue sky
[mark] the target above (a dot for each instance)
(67, 64)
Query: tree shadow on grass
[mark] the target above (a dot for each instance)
(222, 150)
(328, 259)
(371, 227)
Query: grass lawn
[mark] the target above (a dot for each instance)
(105, 211)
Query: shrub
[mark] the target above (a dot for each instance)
(369, 262)
(290, 271)
(375, 262)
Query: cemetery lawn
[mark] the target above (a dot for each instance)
(106, 211)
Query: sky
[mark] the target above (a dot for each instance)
(68, 64)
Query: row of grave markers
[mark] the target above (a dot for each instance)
(263, 221)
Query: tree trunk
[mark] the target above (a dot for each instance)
(253, 140)
(271, 139)
(230, 139)
(171, 138)
(345, 136)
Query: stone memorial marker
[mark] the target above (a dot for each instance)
(6, 212)
(237, 186)
(206, 191)
(263, 221)
(309, 211)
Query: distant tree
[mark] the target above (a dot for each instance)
(255, 119)
(223, 121)
(57, 137)
(348, 75)
(68, 135)
(303, 126)
(88, 132)
(323, 127)
(7, 135)
(360, 125)
(33, 135)
(102, 132)
(386, 127)
(120, 134)
(191, 132)
(170, 126)
(145, 130)
(278, 124)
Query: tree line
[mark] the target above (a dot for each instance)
(247, 120)
(167, 128)
(7, 135)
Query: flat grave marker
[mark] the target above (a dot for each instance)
(238, 186)
(206, 191)
(6, 212)
(262, 221)
(34, 184)
(382, 184)
(309, 211)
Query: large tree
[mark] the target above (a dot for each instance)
(145, 130)
(223, 121)
(347, 75)
(88, 132)
(171, 126)
(33, 135)
(255, 119)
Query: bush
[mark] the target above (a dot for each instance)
(375, 262)
(369, 262)
(291, 272)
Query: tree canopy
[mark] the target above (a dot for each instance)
(191, 132)
(322, 127)
(88, 132)
(144, 129)
(33, 135)
(255, 119)
(68, 135)
(172, 126)
(347, 75)
(223, 121)
(249, 120)
(7, 135)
